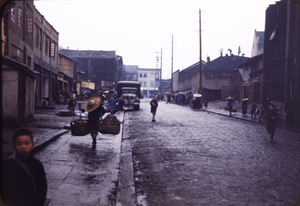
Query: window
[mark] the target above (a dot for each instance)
(13, 15)
(36, 36)
(46, 44)
(29, 27)
(145, 75)
(20, 17)
(141, 75)
(152, 84)
(145, 84)
(52, 49)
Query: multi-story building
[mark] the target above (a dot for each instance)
(45, 45)
(281, 66)
(258, 43)
(67, 77)
(130, 73)
(150, 81)
(104, 68)
(18, 75)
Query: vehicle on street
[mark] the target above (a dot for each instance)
(129, 94)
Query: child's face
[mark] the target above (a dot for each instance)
(24, 146)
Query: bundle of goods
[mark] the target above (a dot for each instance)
(109, 125)
(80, 127)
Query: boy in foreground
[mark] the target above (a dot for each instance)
(24, 178)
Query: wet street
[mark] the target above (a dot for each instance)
(79, 173)
(194, 158)
(186, 157)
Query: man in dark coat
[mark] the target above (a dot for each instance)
(154, 105)
(24, 179)
(272, 118)
(95, 110)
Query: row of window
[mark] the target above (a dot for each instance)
(49, 46)
(144, 84)
(145, 75)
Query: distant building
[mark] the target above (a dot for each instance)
(251, 78)
(258, 43)
(187, 81)
(130, 73)
(67, 77)
(149, 80)
(220, 77)
(104, 68)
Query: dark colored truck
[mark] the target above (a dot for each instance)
(129, 94)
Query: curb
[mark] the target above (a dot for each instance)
(126, 188)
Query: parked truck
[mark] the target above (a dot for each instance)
(129, 94)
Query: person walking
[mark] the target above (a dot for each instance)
(290, 110)
(272, 118)
(95, 110)
(230, 104)
(114, 104)
(253, 110)
(24, 178)
(244, 106)
(154, 105)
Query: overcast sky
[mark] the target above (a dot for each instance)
(138, 29)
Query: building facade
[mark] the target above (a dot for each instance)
(45, 47)
(150, 81)
(104, 68)
(281, 53)
(67, 78)
(258, 43)
(18, 75)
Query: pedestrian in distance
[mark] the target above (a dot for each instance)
(259, 112)
(154, 105)
(95, 110)
(205, 103)
(290, 111)
(272, 118)
(253, 110)
(244, 107)
(114, 104)
(72, 103)
(230, 104)
(24, 178)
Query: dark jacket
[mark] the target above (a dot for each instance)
(154, 105)
(272, 118)
(93, 116)
(20, 188)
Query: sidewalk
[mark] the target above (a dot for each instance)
(46, 127)
(217, 107)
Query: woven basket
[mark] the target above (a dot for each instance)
(109, 125)
(80, 127)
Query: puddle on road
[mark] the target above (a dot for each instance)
(141, 200)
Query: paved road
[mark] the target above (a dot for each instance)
(200, 158)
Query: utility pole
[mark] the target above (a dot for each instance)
(160, 71)
(172, 68)
(200, 56)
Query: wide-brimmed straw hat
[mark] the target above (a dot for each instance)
(245, 99)
(92, 103)
(197, 95)
(229, 97)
